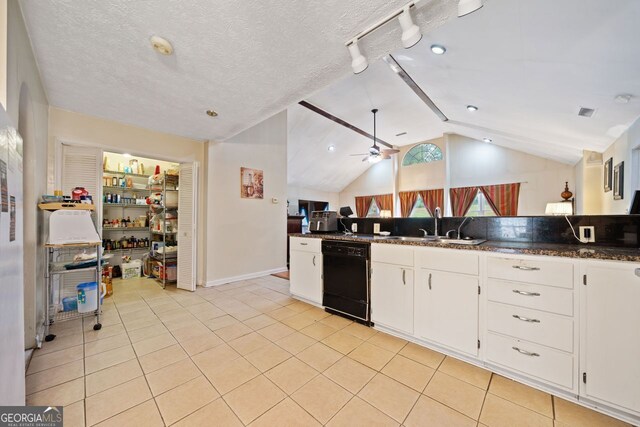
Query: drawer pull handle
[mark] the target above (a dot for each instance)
(303, 244)
(314, 260)
(404, 274)
(528, 294)
(526, 319)
(525, 352)
(429, 281)
(526, 268)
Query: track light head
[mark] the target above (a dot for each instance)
(358, 61)
(466, 7)
(410, 32)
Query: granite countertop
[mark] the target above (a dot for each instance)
(584, 251)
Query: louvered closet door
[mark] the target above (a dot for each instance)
(82, 167)
(187, 220)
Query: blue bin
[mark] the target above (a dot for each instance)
(69, 304)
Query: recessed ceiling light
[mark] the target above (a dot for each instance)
(212, 113)
(161, 45)
(487, 140)
(127, 155)
(623, 98)
(331, 148)
(472, 108)
(438, 49)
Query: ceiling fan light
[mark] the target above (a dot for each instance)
(410, 32)
(358, 61)
(466, 7)
(374, 158)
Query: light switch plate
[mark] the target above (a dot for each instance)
(376, 228)
(588, 234)
(354, 227)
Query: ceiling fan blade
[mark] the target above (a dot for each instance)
(365, 159)
(362, 154)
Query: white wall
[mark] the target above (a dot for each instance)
(70, 127)
(424, 176)
(247, 237)
(474, 162)
(378, 179)
(621, 150)
(27, 108)
(298, 193)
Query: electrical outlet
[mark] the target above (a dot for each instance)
(376, 228)
(588, 234)
(354, 227)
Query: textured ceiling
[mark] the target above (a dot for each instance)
(528, 65)
(247, 59)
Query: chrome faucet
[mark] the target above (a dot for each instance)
(462, 223)
(425, 233)
(438, 214)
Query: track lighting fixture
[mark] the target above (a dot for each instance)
(410, 35)
(466, 7)
(410, 32)
(358, 61)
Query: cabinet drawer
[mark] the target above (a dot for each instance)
(451, 260)
(532, 359)
(392, 254)
(305, 244)
(546, 298)
(550, 273)
(531, 325)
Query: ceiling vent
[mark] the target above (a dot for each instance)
(586, 112)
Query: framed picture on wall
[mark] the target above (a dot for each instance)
(251, 183)
(608, 169)
(618, 181)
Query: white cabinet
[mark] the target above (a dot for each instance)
(392, 296)
(530, 325)
(610, 322)
(305, 276)
(446, 309)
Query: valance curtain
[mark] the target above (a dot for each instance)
(384, 202)
(407, 202)
(502, 198)
(362, 205)
(432, 199)
(462, 199)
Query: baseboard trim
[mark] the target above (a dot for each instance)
(248, 276)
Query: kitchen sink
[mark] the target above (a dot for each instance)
(412, 239)
(470, 242)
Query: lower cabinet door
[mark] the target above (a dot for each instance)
(611, 318)
(446, 309)
(305, 275)
(392, 297)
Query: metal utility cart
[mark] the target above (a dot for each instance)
(59, 255)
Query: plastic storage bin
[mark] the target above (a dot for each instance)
(69, 304)
(88, 296)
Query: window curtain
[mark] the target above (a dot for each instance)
(362, 205)
(432, 199)
(407, 202)
(384, 202)
(462, 199)
(502, 198)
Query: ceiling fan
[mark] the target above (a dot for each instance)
(376, 154)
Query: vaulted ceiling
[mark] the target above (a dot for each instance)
(528, 65)
(246, 59)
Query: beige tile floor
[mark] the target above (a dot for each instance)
(248, 354)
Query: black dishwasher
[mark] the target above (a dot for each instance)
(346, 279)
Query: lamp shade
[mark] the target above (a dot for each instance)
(346, 211)
(559, 208)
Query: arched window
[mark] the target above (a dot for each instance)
(422, 153)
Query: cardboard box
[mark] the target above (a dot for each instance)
(131, 269)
